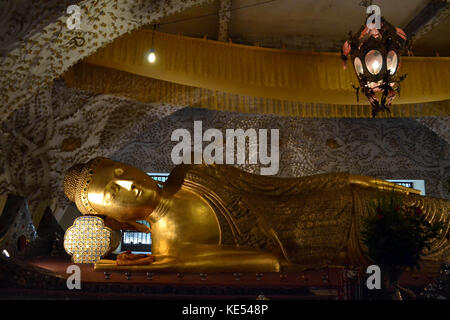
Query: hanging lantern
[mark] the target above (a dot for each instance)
(375, 55)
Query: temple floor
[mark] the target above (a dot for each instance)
(311, 285)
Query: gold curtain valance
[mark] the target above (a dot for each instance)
(260, 72)
(103, 80)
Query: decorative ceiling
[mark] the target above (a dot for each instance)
(222, 76)
(41, 46)
(318, 25)
(38, 47)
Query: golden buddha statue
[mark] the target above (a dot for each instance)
(217, 218)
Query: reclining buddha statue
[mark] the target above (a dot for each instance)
(219, 218)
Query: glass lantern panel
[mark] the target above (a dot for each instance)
(358, 66)
(374, 61)
(391, 62)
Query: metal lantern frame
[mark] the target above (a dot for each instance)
(385, 40)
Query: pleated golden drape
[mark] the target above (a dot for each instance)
(110, 81)
(262, 72)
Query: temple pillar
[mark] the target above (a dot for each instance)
(224, 20)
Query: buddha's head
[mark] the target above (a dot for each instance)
(106, 187)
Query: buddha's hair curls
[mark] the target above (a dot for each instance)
(76, 183)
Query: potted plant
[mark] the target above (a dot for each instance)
(396, 235)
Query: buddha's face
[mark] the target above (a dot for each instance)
(122, 192)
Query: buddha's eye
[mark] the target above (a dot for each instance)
(135, 189)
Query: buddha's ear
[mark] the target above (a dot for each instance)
(175, 180)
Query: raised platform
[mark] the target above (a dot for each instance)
(113, 284)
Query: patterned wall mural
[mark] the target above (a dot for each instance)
(46, 127)
(384, 148)
(61, 126)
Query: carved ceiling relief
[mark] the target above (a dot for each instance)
(440, 126)
(16, 24)
(38, 47)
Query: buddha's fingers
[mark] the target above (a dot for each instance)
(154, 266)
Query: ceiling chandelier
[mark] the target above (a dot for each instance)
(375, 54)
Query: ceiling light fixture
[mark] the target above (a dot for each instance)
(151, 55)
(5, 253)
(375, 55)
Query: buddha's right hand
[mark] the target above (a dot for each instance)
(127, 225)
(130, 259)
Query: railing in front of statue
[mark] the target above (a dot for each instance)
(139, 241)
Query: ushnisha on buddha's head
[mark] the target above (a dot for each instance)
(106, 187)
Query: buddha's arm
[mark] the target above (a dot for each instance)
(381, 184)
(207, 260)
(229, 259)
